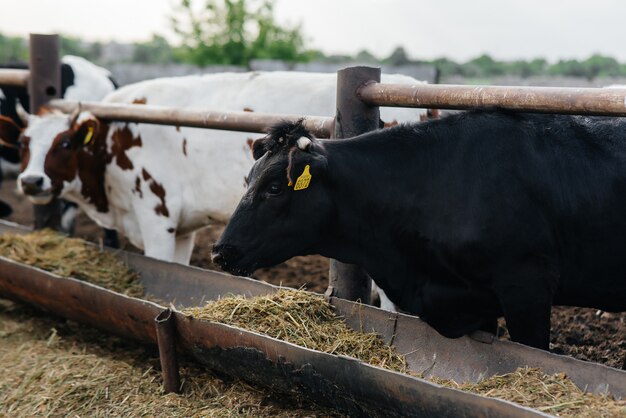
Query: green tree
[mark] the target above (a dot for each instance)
(398, 57)
(13, 49)
(234, 32)
(366, 57)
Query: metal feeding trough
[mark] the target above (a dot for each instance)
(337, 381)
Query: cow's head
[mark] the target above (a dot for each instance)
(287, 207)
(50, 145)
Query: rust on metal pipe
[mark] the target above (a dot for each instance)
(258, 122)
(166, 340)
(566, 100)
(17, 78)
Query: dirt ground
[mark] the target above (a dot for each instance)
(580, 332)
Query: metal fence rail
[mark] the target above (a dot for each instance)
(197, 118)
(10, 77)
(566, 100)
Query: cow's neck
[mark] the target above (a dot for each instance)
(377, 208)
(92, 162)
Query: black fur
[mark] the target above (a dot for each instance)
(458, 220)
(280, 136)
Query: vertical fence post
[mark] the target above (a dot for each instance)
(353, 118)
(45, 84)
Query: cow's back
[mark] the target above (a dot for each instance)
(504, 188)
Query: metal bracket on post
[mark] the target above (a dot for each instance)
(166, 340)
(44, 85)
(353, 118)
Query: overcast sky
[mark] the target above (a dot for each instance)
(459, 29)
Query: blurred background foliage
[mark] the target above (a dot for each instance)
(234, 32)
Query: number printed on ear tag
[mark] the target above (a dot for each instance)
(303, 181)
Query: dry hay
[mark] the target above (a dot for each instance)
(553, 394)
(71, 378)
(71, 257)
(53, 367)
(304, 319)
(307, 320)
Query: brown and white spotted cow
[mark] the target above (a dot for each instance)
(159, 184)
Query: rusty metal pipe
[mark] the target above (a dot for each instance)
(166, 340)
(44, 85)
(353, 118)
(17, 78)
(567, 100)
(196, 118)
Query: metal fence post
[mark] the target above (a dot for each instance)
(45, 84)
(353, 118)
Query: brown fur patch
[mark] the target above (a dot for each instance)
(390, 124)
(61, 164)
(44, 110)
(122, 140)
(9, 132)
(433, 113)
(250, 141)
(159, 191)
(185, 146)
(141, 100)
(137, 188)
(87, 161)
(247, 109)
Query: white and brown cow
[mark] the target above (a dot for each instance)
(159, 184)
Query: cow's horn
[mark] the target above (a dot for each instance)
(303, 143)
(74, 115)
(21, 112)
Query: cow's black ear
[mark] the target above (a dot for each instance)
(85, 132)
(9, 132)
(306, 168)
(260, 147)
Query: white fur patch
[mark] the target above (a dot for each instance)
(303, 143)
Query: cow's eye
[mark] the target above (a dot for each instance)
(274, 189)
(65, 144)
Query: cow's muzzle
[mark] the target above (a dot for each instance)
(31, 185)
(226, 256)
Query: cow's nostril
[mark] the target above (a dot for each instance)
(216, 258)
(31, 184)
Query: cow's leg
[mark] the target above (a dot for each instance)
(184, 248)
(385, 302)
(158, 242)
(455, 311)
(110, 238)
(525, 294)
(527, 316)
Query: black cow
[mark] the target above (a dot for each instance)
(458, 220)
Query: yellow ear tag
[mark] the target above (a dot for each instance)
(303, 181)
(89, 135)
